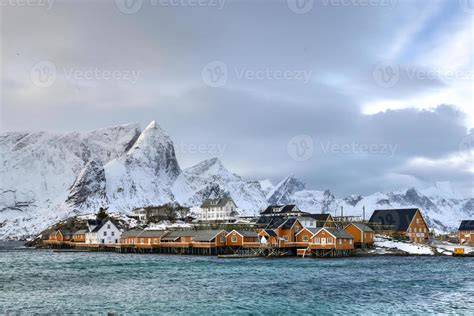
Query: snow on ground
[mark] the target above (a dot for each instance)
(385, 243)
(164, 225)
(118, 216)
(447, 248)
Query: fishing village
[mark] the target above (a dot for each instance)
(280, 230)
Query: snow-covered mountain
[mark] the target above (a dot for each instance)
(441, 205)
(210, 179)
(46, 177)
(284, 191)
(267, 187)
(37, 169)
(145, 174)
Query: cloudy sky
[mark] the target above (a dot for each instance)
(352, 95)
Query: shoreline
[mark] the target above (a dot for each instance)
(355, 255)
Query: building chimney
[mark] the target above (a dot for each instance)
(363, 213)
(342, 211)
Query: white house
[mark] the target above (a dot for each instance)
(140, 214)
(102, 232)
(223, 209)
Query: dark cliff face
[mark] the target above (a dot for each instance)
(89, 185)
(412, 197)
(284, 191)
(328, 201)
(468, 207)
(353, 199)
(211, 191)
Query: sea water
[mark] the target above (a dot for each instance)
(41, 281)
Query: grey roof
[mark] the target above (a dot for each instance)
(318, 217)
(363, 227)
(271, 222)
(289, 223)
(216, 202)
(247, 233)
(339, 233)
(81, 232)
(152, 233)
(313, 230)
(131, 233)
(93, 222)
(271, 232)
(66, 232)
(99, 224)
(206, 235)
(396, 219)
(63, 231)
(319, 222)
(280, 209)
(467, 225)
(175, 234)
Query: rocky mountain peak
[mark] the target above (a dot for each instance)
(285, 189)
(209, 167)
(88, 191)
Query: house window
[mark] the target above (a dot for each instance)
(285, 238)
(222, 238)
(340, 241)
(234, 239)
(350, 241)
(142, 241)
(317, 240)
(102, 241)
(108, 226)
(105, 233)
(329, 240)
(305, 238)
(113, 233)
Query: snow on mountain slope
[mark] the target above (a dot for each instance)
(210, 179)
(88, 191)
(37, 169)
(46, 177)
(145, 174)
(283, 192)
(443, 208)
(267, 187)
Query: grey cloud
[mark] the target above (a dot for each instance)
(253, 120)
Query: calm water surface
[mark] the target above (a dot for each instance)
(40, 281)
